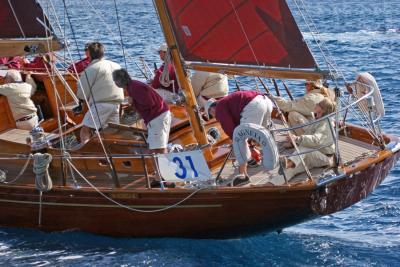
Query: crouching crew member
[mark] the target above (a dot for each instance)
(239, 108)
(151, 107)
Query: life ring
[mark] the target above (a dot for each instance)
(270, 154)
(366, 82)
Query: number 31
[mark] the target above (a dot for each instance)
(183, 173)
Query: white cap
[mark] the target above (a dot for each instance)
(13, 76)
(163, 47)
(316, 83)
(207, 106)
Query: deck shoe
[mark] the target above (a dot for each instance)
(240, 180)
(253, 163)
(155, 184)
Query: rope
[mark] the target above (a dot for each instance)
(4, 177)
(164, 77)
(16, 18)
(130, 208)
(41, 169)
(120, 34)
(244, 32)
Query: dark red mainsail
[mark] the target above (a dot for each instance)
(251, 32)
(25, 29)
(22, 18)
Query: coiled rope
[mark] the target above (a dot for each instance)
(164, 77)
(41, 169)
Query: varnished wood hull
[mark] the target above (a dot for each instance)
(223, 212)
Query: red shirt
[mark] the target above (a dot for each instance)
(228, 109)
(37, 64)
(172, 77)
(147, 102)
(79, 65)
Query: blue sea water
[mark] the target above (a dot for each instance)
(361, 36)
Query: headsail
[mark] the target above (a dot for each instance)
(265, 33)
(23, 25)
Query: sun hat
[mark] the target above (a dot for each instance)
(13, 76)
(316, 84)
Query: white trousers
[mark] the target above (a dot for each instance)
(258, 111)
(313, 159)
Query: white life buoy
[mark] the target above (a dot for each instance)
(270, 154)
(365, 83)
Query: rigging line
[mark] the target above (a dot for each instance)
(84, 94)
(113, 35)
(67, 47)
(52, 79)
(359, 115)
(128, 207)
(334, 64)
(72, 30)
(244, 32)
(330, 66)
(16, 18)
(120, 33)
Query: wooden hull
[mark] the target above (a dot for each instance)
(222, 212)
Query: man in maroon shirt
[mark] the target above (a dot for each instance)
(79, 66)
(238, 108)
(166, 91)
(151, 107)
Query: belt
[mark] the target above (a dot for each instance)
(26, 118)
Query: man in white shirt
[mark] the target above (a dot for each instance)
(96, 85)
(18, 94)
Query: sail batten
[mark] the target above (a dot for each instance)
(252, 32)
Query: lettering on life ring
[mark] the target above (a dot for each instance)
(262, 136)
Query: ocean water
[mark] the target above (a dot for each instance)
(360, 36)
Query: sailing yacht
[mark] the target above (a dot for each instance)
(51, 182)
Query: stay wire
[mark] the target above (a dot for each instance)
(120, 33)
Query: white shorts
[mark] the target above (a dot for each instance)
(158, 131)
(106, 112)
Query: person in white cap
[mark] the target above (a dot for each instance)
(166, 86)
(301, 110)
(208, 85)
(238, 108)
(18, 94)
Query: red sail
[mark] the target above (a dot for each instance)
(22, 19)
(251, 32)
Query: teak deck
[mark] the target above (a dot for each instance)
(350, 149)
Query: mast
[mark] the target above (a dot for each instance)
(191, 103)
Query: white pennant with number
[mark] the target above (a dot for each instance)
(183, 166)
